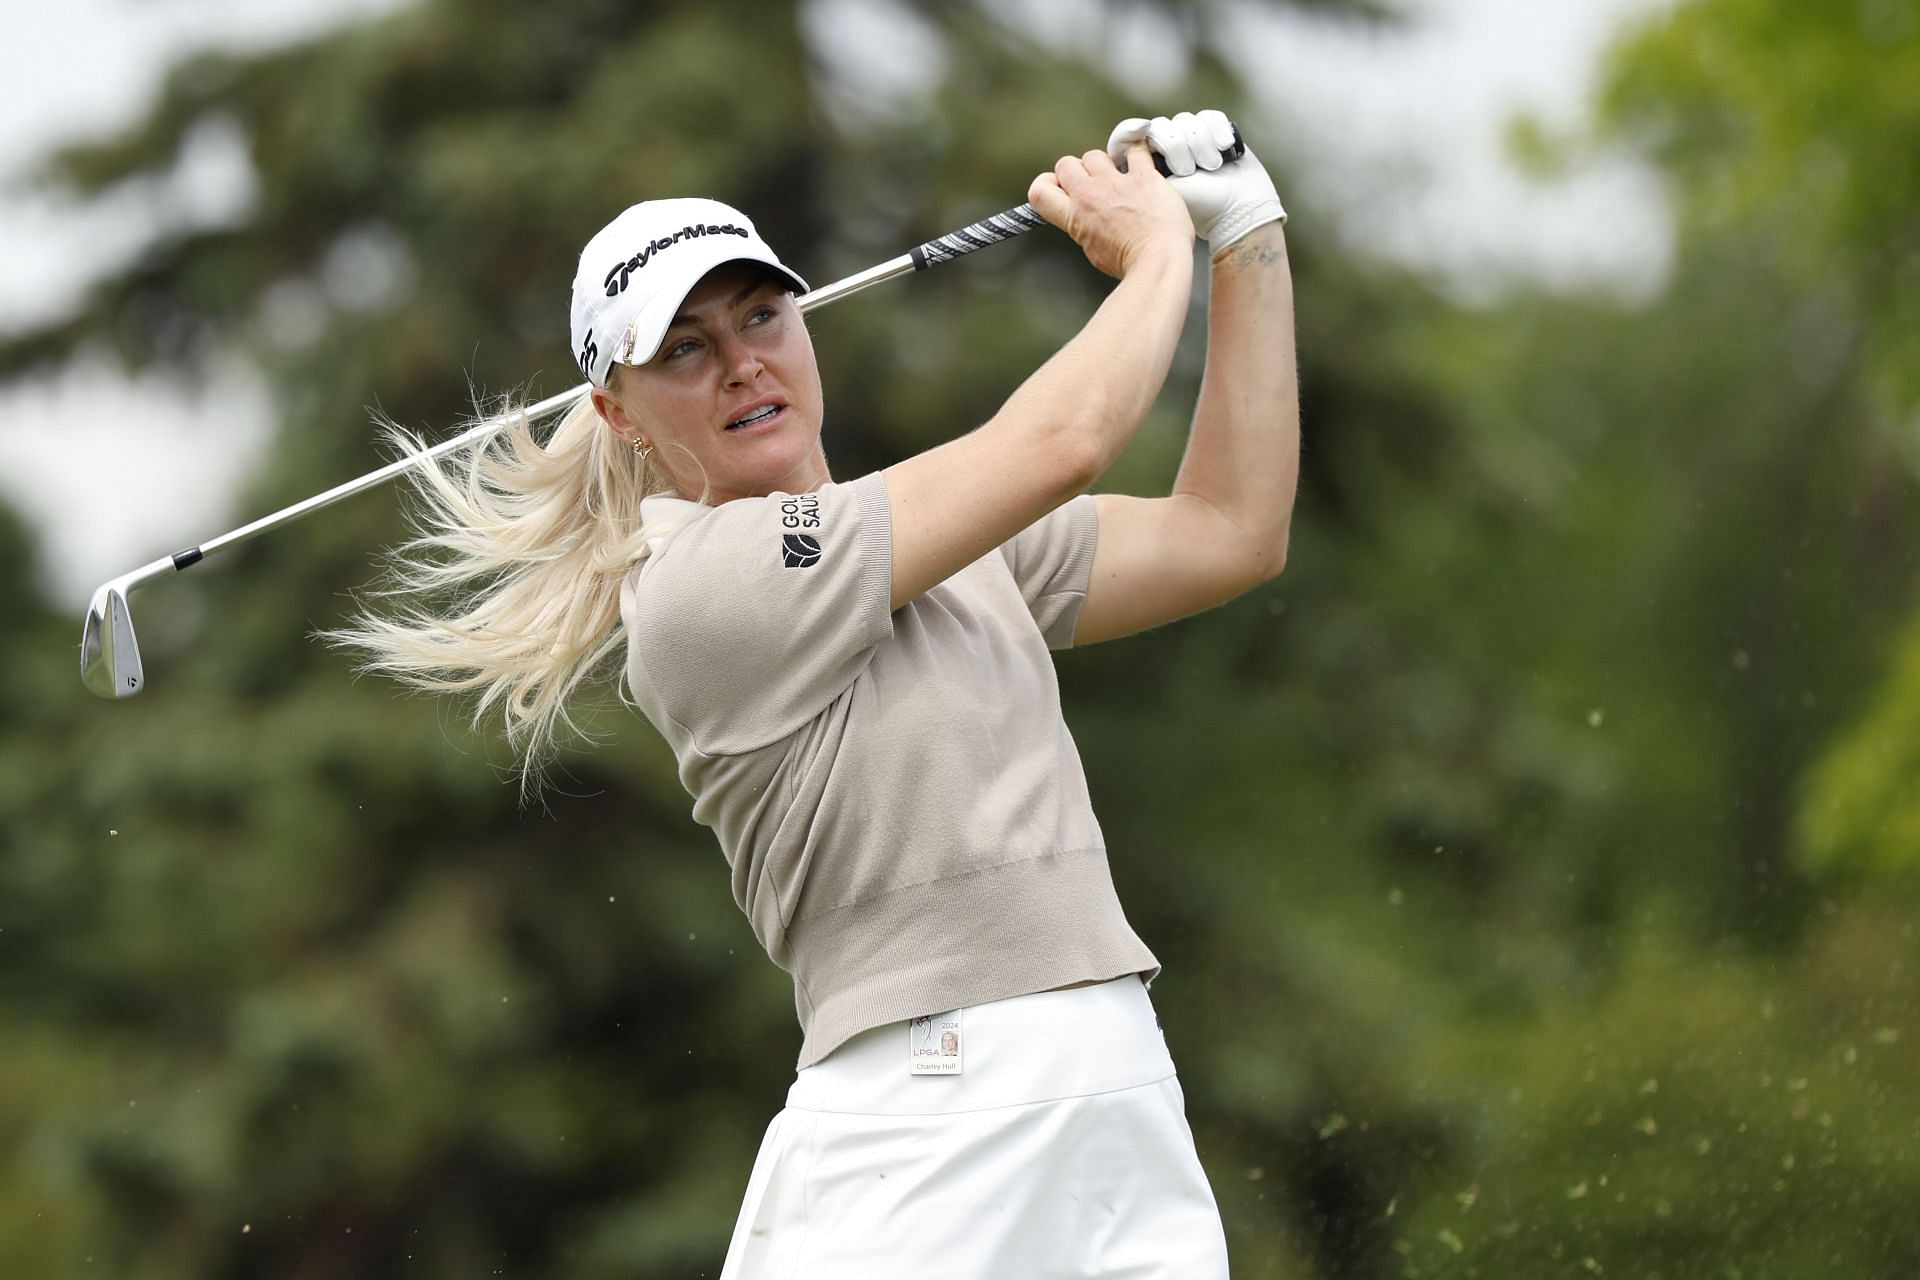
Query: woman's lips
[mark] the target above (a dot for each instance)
(772, 420)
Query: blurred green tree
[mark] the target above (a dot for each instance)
(1797, 129)
(1650, 728)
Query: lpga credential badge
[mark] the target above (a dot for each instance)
(933, 1045)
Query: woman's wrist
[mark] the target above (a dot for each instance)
(1262, 246)
(1162, 254)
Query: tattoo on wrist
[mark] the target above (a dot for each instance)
(1250, 254)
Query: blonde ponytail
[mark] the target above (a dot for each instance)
(515, 571)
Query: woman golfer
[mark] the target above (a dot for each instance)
(854, 678)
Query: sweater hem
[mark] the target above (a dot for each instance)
(1033, 925)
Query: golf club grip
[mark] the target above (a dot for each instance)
(1001, 226)
(1232, 153)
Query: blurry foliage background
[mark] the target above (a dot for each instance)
(1533, 864)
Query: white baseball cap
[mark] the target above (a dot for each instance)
(639, 268)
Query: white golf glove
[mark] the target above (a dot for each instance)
(1226, 198)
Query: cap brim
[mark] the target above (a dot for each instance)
(652, 321)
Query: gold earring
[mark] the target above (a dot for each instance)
(642, 450)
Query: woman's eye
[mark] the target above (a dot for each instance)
(761, 314)
(681, 348)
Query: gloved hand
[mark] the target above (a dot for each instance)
(1226, 200)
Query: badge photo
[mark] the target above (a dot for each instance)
(934, 1045)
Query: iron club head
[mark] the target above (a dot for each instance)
(109, 654)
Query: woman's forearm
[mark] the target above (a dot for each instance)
(1243, 453)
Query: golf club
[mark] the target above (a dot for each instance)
(109, 651)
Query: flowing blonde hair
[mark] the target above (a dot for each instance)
(515, 566)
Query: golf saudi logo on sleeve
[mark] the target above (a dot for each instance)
(800, 511)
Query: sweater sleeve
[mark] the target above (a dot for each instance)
(751, 619)
(1052, 562)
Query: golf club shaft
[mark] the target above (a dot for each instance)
(991, 230)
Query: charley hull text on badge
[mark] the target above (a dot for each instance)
(933, 1045)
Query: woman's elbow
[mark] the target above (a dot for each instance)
(1247, 558)
(1268, 560)
(1078, 456)
(1245, 567)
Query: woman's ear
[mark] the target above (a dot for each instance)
(613, 415)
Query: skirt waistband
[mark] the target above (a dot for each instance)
(1031, 1048)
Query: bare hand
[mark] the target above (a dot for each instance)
(1116, 218)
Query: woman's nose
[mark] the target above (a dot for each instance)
(741, 362)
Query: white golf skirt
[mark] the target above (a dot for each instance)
(1061, 1149)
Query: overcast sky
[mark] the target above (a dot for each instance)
(116, 473)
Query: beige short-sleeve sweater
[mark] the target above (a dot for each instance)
(897, 794)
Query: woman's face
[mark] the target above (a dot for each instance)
(736, 349)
